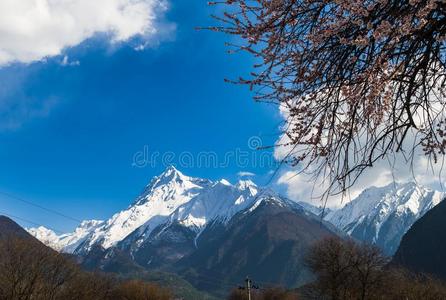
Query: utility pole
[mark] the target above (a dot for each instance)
(248, 287)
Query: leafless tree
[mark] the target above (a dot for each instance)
(278, 294)
(346, 270)
(31, 271)
(332, 260)
(28, 270)
(274, 293)
(368, 266)
(139, 290)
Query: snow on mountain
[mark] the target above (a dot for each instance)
(162, 196)
(379, 215)
(317, 210)
(220, 201)
(46, 236)
(71, 241)
(382, 215)
(67, 242)
(170, 198)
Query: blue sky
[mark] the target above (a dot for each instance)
(70, 129)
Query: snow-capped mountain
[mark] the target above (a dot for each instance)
(177, 207)
(67, 242)
(220, 201)
(171, 197)
(161, 197)
(181, 235)
(46, 236)
(382, 215)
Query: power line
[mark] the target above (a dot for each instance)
(30, 222)
(41, 207)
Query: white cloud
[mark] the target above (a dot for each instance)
(31, 30)
(67, 62)
(245, 174)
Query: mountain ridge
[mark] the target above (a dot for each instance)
(186, 205)
(382, 215)
(169, 197)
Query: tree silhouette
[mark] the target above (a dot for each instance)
(347, 270)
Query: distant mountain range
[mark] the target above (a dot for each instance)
(203, 229)
(382, 215)
(170, 197)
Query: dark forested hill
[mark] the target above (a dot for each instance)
(423, 248)
(9, 229)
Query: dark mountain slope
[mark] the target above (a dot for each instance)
(423, 248)
(10, 229)
(268, 243)
(166, 246)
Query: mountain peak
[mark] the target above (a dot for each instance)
(170, 198)
(245, 183)
(161, 197)
(169, 177)
(90, 223)
(171, 173)
(170, 170)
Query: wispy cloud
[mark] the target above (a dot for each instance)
(33, 30)
(14, 114)
(246, 174)
(17, 104)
